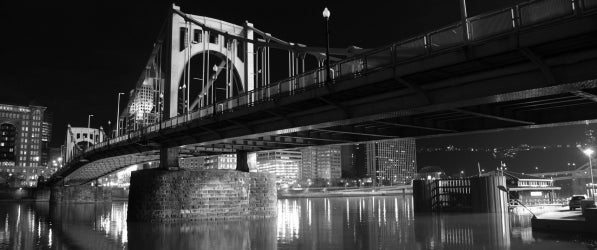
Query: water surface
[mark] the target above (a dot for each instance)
(314, 223)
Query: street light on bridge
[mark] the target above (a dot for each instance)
(118, 114)
(88, 126)
(589, 152)
(326, 15)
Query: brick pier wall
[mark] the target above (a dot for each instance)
(80, 194)
(190, 195)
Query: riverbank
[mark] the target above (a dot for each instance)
(566, 221)
(536, 209)
(355, 192)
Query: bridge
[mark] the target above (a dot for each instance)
(207, 87)
(522, 66)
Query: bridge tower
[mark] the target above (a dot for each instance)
(226, 63)
(80, 138)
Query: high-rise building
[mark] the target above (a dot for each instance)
(24, 139)
(46, 137)
(321, 162)
(392, 161)
(285, 164)
(354, 161)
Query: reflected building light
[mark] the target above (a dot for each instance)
(347, 213)
(378, 213)
(288, 223)
(384, 211)
(50, 237)
(114, 223)
(31, 220)
(361, 211)
(309, 211)
(328, 211)
(125, 231)
(18, 218)
(396, 208)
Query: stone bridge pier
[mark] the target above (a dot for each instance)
(79, 194)
(170, 194)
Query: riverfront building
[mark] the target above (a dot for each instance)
(527, 188)
(227, 161)
(392, 161)
(322, 162)
(285, 164)
(24, 142)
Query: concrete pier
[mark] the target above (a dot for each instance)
(477, 194)
(189, 195)
(79, 194)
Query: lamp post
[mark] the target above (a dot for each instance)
(118, 115)
(589, 152)
(326, 15)
(88, 126)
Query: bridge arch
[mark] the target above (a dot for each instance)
(210, 82)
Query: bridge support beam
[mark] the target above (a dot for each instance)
(157, 195)
(241, 161)
(169, 158)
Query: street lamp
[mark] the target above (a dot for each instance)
(118, 115)
(88, 126)
(326, 15)
(589, 152)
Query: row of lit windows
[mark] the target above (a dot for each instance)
(7, 164)
(13, 170)
(12, 115)
(15, 109)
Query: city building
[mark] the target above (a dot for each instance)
(144, 106)
(46, 138)
(392, 162)
(323, 162)
(24, 142)
(528, 189)
(354, 161)
(195, 162)
(285, 164)
(227, 161)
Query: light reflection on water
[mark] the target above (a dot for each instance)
(314, 223)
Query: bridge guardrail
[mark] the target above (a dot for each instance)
(446, 37)
(490, 24)
(539, 11)
(479, 27)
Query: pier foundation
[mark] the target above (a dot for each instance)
(191, 195)
(80, 194)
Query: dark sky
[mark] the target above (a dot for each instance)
(74, 57)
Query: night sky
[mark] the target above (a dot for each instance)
(75, 57)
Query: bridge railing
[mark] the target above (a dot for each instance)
(481, 27)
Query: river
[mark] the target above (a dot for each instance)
(383, 222)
